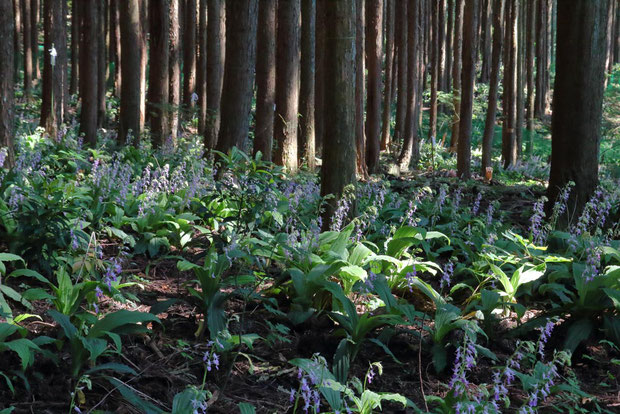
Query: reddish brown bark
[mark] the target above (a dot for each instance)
(216, 16)
(189, 52)
(131, 57)
(360, 138)
(306, 98)
(338, 168)
(577, 100)
(7, 87)
(201, 76)
(509, 101)
(496, 57)
(241, 17)
(54, 78)
(158, 93)
(388, 88)
(88, 70)
(374, 42)
(27, 38)
(265, 77)
(470, 23)
(456, 73)
(288, 54)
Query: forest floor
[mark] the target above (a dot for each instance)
(171, 357)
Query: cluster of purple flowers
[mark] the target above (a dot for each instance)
(545, 333)
(542, 389)
(490, 211)
(199, 407)
(458, 196)
(536, 222)
(3, 155)
(441, 197)
(211, 358)
(593, 216)
(593, 262)
(342, 210)
(464, 361)
(476, 206)
(446, 277)
(370, 375)
(16, 198)
(561, 203)
(502, 380)
(307, 391)
(112, 273)
(410, 277)
(29, 162)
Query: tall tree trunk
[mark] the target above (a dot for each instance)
(401, 102)
(485, 72)
(288, 54)
(17, 24)
(577, 100)
(144, 31)
(27, 37)
(174, 68)
(441, 75)
(88, 69)
(158, 74)
(216, 15)
(131, 56)
(360, 138)
(54, 77)
(307, 145)
(610, 41)
(509, 103)
(541, 55)
(7, 87)
(529, 65)
(319, 80)
(449, 46)
(265, 77)
(410, 149)
(75, 41)
(34, 38)
(388, 90)
(520, 99)
(101, 62)
(456, 73)
(374, 42)
(489, 124)
(201, 77)
(617, 35)
(435, 62)
(339, 156)
(115, 47)
(241, 19)
(470, 24)
(189, 52)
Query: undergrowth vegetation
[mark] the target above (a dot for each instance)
(468, 294)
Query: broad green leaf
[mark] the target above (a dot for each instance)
(359, 253)
(577, 332)
(95, 346)
(6, 330)
(23, 348)
(65, 323)
(246, 408)
(113, 321)
(112, 366)
(131, 397)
